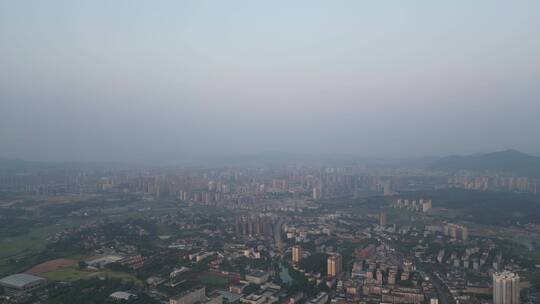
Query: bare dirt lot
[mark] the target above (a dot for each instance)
(51, 265)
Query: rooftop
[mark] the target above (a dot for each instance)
(505, 275)
(229, 296)
(258, 273)
(20, 280)
(122, 295)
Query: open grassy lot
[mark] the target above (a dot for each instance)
(27, 243)
(72, 273)
(18, 253)
(66, 274)
(19, 248)
(512, 234)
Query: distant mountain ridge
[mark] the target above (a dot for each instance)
(509, 161)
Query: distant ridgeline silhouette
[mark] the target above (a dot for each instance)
(510, 161)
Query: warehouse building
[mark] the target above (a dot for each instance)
(21, 283)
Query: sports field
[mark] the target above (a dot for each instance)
(51, 265)
(72, 273)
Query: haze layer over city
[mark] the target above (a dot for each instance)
(269, 152)
(162, 82)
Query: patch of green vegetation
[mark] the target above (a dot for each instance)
(487, 207)
(73, 273)
(23, 245)
(514, 234)
(25, 250)
(213, 280)
(95, 291)
(315, 263)
(402, 217)
(67, 274)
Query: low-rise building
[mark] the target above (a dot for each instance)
(196, 295)
(321, 298)
(122, 296)
(21, 283)
(258, 277)
(229, 297)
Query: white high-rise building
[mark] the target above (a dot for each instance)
(505, 288)
(317, 193)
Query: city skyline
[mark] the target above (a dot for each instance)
(269, 152)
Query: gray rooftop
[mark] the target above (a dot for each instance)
(122, 295)
(231, 297)
(258, 273)
(19, 280)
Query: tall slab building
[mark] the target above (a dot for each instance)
(505, 288)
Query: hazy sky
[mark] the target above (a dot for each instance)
(161, 80)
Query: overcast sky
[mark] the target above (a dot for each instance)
(162, 80)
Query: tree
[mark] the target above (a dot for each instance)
(82, 264)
